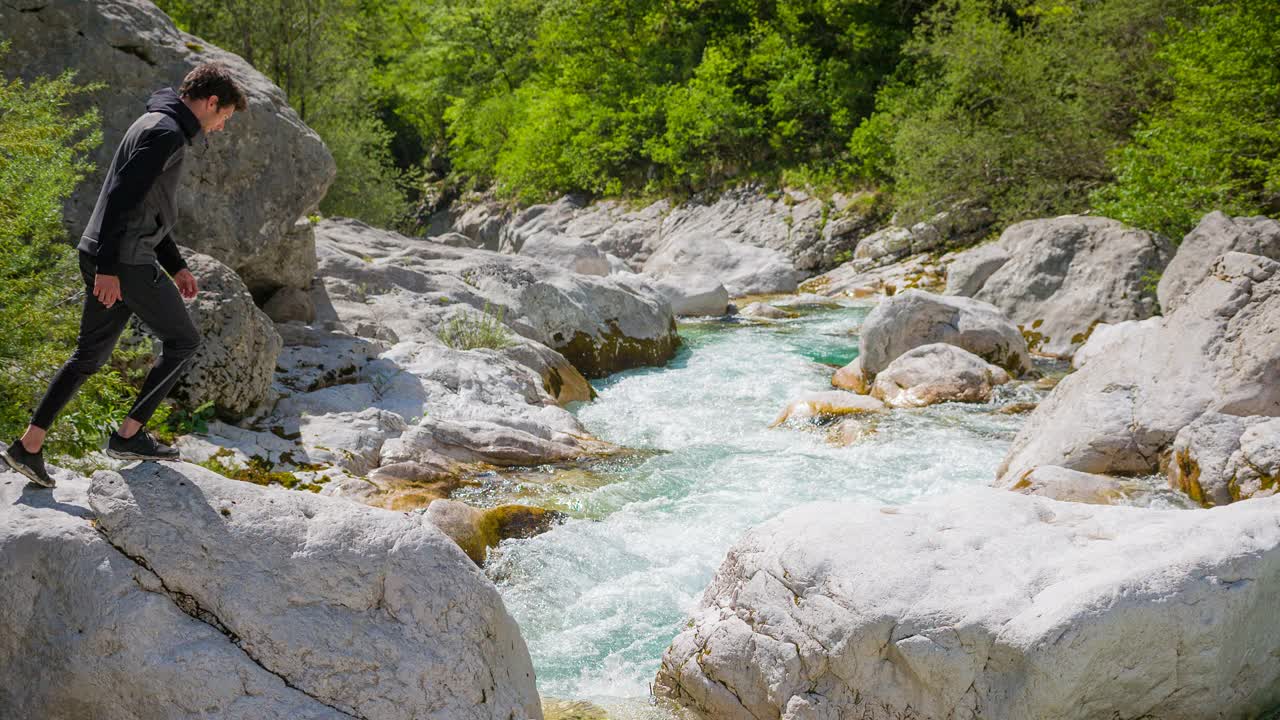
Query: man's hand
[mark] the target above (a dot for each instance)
(186, 283)
(106, 288)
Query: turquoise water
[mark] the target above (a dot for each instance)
(600, 597)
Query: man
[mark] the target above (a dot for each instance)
(127, 241)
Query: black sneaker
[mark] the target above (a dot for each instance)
(139, 447)
(29, 464)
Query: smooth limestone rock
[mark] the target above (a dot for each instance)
(240, 194)
(743, 269)
(1220, 458)
(693, 294)
(477, 530)
(851, 377)
(377, 614)
(86, 632)
(766, 311)
(1216, 234)
(970, 270)
(236, 360)
(579, 256)
(1059, 483)
(1219, 351)
(1105, 337)
(937, 373)
(386, 286)
(827, 405)
(1063, 275)
(914, 318)
(862, 279)
(988, 604)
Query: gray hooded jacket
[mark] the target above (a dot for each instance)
(134, 217)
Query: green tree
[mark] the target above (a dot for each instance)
(1215, 144)
(1016, 104)
(43, 156)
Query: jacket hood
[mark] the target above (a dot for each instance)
(166, 100)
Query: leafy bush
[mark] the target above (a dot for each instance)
(1215, 144)
(1015, 104)
(469, 331)
(43, 156)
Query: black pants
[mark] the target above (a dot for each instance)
(147, 291)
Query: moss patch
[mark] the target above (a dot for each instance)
(613, 351)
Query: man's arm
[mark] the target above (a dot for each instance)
(128, 186)
(169, 257)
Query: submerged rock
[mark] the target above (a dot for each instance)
(827, 405)
(1060, 276)
(477, 530)
(987, 603)
(1219, 351)
(241, 194)
(1216, 234)
(851, 377)
(937, 373)
(916, 318)
(766, 311)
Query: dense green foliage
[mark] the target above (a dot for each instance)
(1153, 110)
(1017, 104)
(43, 150)
(1215, 145)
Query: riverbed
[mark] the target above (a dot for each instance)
(600, 596)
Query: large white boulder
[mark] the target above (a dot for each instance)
(743, 269)
(693, 294)
(374, 613)
(1219, 351)
(937, 373)
(992, 604)
(386, 286)
(1105, 337)
(1060, 276)
(85, 631)
(1216, 234)
(241, 194)
(913, 318)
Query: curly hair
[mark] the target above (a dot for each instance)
(213, 79)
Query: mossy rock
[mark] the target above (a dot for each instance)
(613, 351)
(553, 709)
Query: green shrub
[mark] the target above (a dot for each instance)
(44, 151)
(469, 331)
(1215, 144)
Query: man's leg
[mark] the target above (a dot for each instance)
(153, 297)
(100, 328)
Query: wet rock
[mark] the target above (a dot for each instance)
(852, 378)
(477, 530)
(1216, 234)
(827, 405)
(1220, 458)
(914, 318)
(937, 373)
(987, 603)
(1218, 352)
(234, 364)
(241, 195)
(766, 311)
